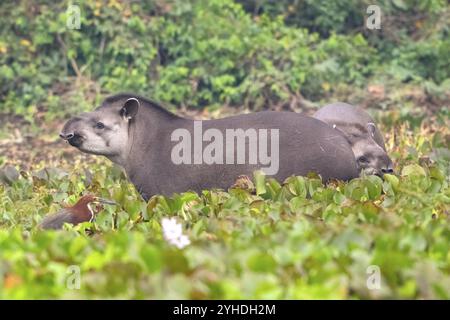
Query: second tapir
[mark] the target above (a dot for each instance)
(362, 134)
(145, 140)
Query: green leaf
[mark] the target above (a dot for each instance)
(260, 185)
(261, 262)
(151, 257)
(413, 170)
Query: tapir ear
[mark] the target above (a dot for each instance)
(347, 136)
(371, 128)
(130, 108)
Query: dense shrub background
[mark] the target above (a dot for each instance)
(197, 53)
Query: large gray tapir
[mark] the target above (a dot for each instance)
(164, 154)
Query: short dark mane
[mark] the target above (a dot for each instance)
(125, 95)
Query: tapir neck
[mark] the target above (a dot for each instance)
(149, 138)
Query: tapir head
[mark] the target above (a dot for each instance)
(370, 156)
(104, 131)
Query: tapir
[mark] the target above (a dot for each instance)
(163, 153)
(362, 133)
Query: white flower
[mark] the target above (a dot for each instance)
(173, 233)
(182, 242)
(171, 229)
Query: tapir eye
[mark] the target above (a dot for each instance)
(363, 159)
(99, 125)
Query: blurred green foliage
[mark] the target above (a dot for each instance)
(199, 53)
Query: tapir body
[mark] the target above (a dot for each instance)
(140, 135)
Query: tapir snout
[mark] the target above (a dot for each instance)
(71, 133)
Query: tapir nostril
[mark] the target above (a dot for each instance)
(387, 170)
(67, 136)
